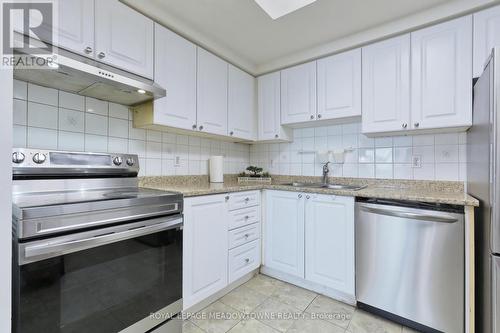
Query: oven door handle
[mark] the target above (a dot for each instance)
(54, 248)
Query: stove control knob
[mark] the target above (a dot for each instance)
(39, 158)
(18, 157)
(117, 160)
(130, 161)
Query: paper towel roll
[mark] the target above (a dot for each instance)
(216, 169)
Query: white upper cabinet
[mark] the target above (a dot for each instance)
(242, 116)
(76, 26)
(175, 70)
(284, 232)
(442, 75)
(329, 229)
(386, 85)
(298, 93)
(339, 85)
(269, 119)
(211, 93)
(486, 36)
(123, 37)
(205, 251)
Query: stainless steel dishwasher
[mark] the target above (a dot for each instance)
(410, 263)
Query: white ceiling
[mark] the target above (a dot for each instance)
(242, 33)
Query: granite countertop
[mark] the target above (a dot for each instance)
(424, 191)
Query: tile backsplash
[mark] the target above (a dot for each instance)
(442, 156)
(51, 119)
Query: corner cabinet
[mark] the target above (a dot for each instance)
(123, 37)
(242, 115)
(486, 36)
(386, 85)
(298, 93)
(309, 241)
(442, 75)
(269, 109)
(339, 86)
(205, 257)
(211, 93)
(329, 241)
(284, 232)
(175, 70)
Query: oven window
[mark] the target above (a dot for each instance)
(104, 289)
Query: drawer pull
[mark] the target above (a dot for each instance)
(227, 197)
(247, 217)
(247, 235)
(247, 199)
(247, 260)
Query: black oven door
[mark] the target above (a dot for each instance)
(99, 281)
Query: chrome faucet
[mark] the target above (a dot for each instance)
(326, 170)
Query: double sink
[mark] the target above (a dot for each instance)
(329, 186)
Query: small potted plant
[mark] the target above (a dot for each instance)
(255, 175)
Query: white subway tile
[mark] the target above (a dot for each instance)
(19, 136)
(447, 171)
(320, 143)
(118, 128)
(96, 124)
(20, 90)
(168, 168)
(71, 141)
(137, 147)
(194, 167)
(307, 132)
(136, 133)
(403, 141)
(446, 154)
(334, 142)
(284, 168)
(96, 143)
(42, 138)
(383, 142)
(308, 143)
(20, 116)
(462, 153)
(446, 139)
(352, 128)
(402, 155)
(334, 130)
(350, 141)
(425, 172)
(425, 152)
(307, 169)
(96, 106)
(423, 140)
(182, 139)
(320, 131)
(153, 167)
(296, 169)
(366, 170)
(350, 157)
(383, 155)
(154, 136)
(117, 145)
(194, 153)
(71, 101)
(365, 142)
(153, 150)
(182, 169)
(71, 121)
(403, 171)
(366, 155)
(118, 111)
(350, 170)
(42, 115)
(384, 171)
(42, 95)
(168, 151)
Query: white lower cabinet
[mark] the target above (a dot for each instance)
(205, 247)
(329, 238)
(284, 232)
(309, 240)
(218, 251)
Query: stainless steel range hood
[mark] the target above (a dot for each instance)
(78, 74)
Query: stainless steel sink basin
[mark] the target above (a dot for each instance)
(331, 186)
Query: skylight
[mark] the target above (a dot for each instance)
(279, 8)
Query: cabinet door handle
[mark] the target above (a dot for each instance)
(227, 198)
(247, 199)
(276, 136)
(247, 235)
(416, 124)
(247, 217)
(101, 55)
(300, 196)
(312, 117)
(231, 133)
(88, 50)
(201, 128)
(405, 125)
(247, 260)
(319, 116)
(308, 197)
(194, 126)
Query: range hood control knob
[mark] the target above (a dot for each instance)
(117, 160)
(130, 161)
(39, 158)
(18, 157)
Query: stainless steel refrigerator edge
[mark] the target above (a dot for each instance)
(483, 177)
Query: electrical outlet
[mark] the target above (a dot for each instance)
(177, 161)
(417, 161)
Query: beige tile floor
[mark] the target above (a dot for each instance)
(267, 305)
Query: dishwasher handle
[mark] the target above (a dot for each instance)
(409, 215)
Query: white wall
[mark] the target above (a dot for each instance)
(5, 199)
(51, 119)
(442, 155)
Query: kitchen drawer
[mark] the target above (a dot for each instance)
(240, 200)
(244, 235)
(243, 259)
(242, 217)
